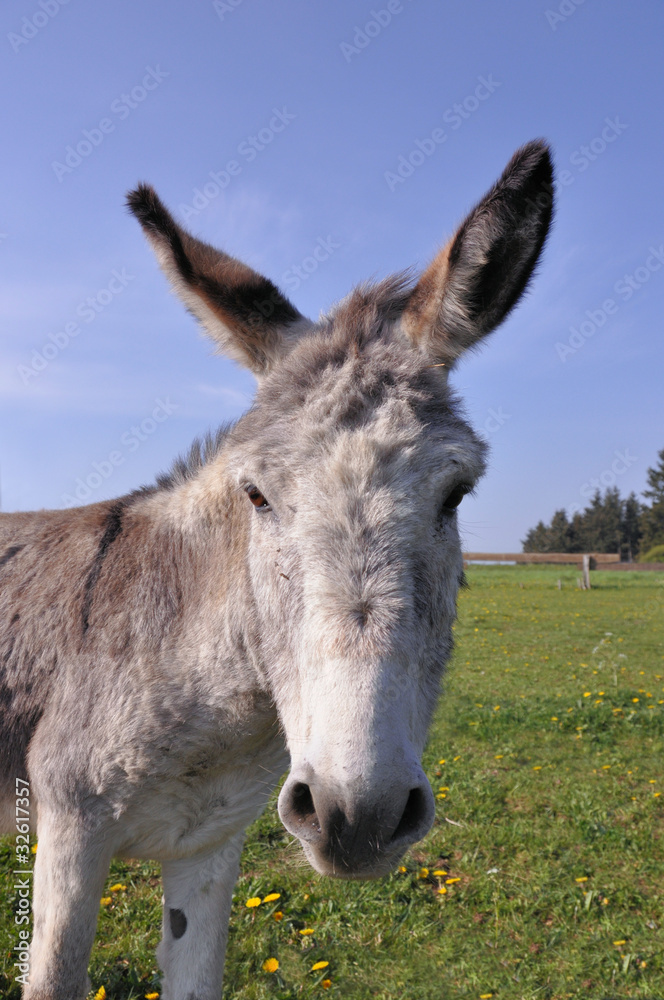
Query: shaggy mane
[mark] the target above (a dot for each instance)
(202, 451)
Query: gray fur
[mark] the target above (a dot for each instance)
(284, 597)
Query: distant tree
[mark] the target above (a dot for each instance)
(631, 529)
(537, 539)
(652, 519)
(608, 524)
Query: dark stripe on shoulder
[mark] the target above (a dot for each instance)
(111, 532)
(10, 553)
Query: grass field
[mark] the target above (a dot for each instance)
(547, 756)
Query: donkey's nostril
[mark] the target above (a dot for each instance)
(413, 817)
(302, 810)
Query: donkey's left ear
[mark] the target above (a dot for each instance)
(473, 283)
(243, 312)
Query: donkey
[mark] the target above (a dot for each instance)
(284, 597)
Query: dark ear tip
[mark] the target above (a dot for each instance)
(144, 203)
(532, 159)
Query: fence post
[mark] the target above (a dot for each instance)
(586, 572)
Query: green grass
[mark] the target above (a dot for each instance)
(552, 771)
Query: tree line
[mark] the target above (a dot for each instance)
(610, 523)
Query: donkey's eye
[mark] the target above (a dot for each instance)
(453, 499)
(257, 498)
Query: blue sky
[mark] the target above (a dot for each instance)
(98, 358)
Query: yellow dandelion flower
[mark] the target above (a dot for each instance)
(105, 901)
(655, 794)
(271, 896)
(586, 694)
(449, 881)
(486, 996)
(151, 996)
(456, 758)
(402, 868)
(423, 872)
(635, 699)
(444, 788)
(100, 994)
(442, 761)
(605, 902)
(326, 984)
(496, 708)
(499, 756)
(605, 767)
(317, 966)
(441, 795)
(619, 943)
(278, 915)
(442, 890)
(538, 767)
(253, 901)
(33, 849)
(440, 871)
(583, 878)
(270, 965)
(118, 888)
(307, 930)
(554, 718)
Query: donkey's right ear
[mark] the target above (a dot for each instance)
(244, 313)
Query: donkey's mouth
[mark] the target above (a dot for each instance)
(373, 865)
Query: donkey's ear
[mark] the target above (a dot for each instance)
(243, 312)
(472, 284)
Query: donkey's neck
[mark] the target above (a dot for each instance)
(169, 578)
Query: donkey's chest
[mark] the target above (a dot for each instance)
(178, 815)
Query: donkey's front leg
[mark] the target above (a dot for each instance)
(71, 866)
(197, 905)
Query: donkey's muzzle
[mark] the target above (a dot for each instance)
(355, 839)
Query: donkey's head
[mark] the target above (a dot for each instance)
(348, 471)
